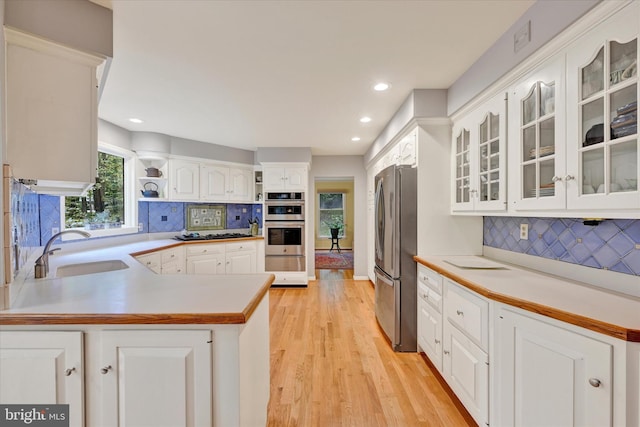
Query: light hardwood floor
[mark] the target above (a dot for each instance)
(331, 365)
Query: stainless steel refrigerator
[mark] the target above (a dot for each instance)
(395, 246)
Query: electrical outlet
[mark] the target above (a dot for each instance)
(524, 231)
(140, 226)
(55, 230)
(244, 210)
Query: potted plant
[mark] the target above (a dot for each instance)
(335, 224)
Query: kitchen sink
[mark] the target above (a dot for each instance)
(90, 268)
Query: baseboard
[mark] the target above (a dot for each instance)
(361, 278)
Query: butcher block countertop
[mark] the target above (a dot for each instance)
(583, 305)
(135, 295)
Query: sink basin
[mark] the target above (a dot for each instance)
(90, 268)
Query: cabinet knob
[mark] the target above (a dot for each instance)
(569, 177)
(446, 351)
(460, 313)
(556, 179)
(105, 370)
(437, 341)
(594, 382)
(68, 372)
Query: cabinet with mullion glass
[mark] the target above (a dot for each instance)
(536, 107)
(479, 148)
(602, 115)
(463, 191)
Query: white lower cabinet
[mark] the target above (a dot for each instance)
(465, 360)
(240, 258)
(547, 375)
(156, 378)
(430, 332)
(43, 368)
(430, 315)
(465, 367)
(173, 261)
(152, 261)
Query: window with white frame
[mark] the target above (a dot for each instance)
(331, 213)
(110, 207)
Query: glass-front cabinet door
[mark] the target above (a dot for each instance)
(602, 117)
(537, 139)
(479, 158)
(463, 193)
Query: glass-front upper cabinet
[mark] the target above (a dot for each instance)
(602, 116)
(537, 139)
(479, 158)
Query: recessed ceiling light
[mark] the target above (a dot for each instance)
(355, 139)
(134, 120)
(365, 119)
(381, 86)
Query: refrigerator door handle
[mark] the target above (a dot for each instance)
(384, 279)
(379, 219)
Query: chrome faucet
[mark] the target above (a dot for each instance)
(42, 263)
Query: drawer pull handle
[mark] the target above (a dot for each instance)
(446, 351)
(437, 341)
(70, 371)
(460, 313)
(594, 382)
(105, 370)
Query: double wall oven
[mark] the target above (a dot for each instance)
(284, 232)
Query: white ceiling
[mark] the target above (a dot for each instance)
(252, 74)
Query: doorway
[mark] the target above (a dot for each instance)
(334, 209)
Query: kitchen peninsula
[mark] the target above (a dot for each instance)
(128, 345)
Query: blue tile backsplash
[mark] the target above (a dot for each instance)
(613, 244)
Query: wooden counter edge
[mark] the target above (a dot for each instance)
(139, 318)
(616, 331)
(194, 242)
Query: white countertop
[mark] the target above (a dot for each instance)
(135, 294)
(574, 302)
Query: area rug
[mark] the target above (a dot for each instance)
(334, 260)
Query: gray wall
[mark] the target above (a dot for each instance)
(161, 143)
(342, 167)
(80, 24)
(421, 103)
(285, 154)
(548, 19)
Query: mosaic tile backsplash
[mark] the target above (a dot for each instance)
(613, 244)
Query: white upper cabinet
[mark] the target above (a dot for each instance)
(285, 178)
(602, 99)
(214, 182)
(51, 111)
(190, 180)
(479, 159)
(537, 134)
(184, 180)
(240, 184)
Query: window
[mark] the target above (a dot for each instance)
(331, 208)
(109, 208)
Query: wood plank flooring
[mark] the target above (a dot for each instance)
(332, 366)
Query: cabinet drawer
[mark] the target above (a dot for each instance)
(467, 311)
(240, 246)
(173, 254)
(430, 296)
(151, 261)
(430, 278)
(199, 249)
